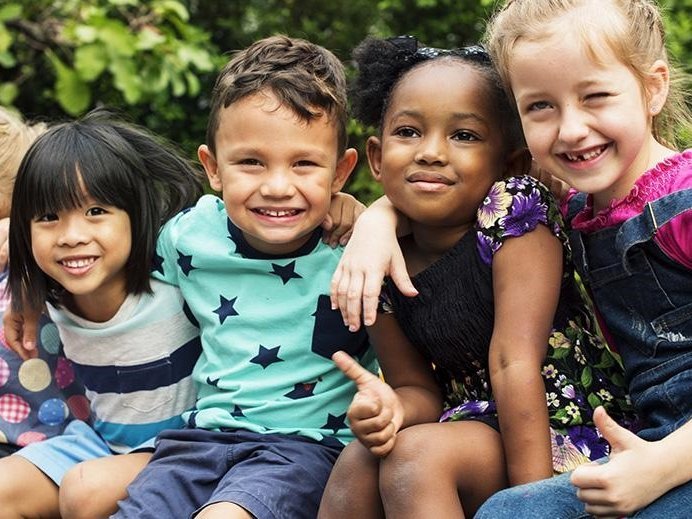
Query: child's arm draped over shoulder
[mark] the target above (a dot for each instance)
(527, 273)
(372, 253)
(638, 471)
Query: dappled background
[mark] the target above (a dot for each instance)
(155, 60)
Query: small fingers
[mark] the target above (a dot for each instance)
(371, 297)
(399, 275)
(354, 301)
(358, 374)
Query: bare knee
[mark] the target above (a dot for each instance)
(79, 497)
(25, 491)
(403, 470)
(352, 489)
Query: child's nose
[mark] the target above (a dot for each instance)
(432, 150)
(73, 232)
(573, 125)
(277, 184)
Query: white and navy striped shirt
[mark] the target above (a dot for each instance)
(136, 368)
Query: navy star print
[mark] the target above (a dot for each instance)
(237, 411)
(185, 263)
(286, 272)
(266, 356)
(225, 309)
(302, 390)
(335, 422)
(157, 264)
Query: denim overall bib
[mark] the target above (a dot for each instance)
(645, 299)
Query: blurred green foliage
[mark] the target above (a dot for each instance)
(155, 60)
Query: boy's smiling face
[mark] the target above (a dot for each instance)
(277, 173)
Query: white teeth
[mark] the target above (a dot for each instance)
(277, 213)
(78, 263)
(584, 156)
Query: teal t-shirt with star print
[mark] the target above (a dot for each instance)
(267, 328)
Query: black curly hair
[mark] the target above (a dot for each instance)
(381, 64)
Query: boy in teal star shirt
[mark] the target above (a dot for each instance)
(270, 418)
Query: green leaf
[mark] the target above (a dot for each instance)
(10, 12)
(7, 60)
(154, 77)
(90, 61)
(123, 2)
(8, 93)
(560, 353)
(126, 80)
(196, 56)
(86, 33)
(586, 377)
(171, 6)
(593, 400)
(118, 39)
(193, 85)
(148, 38)
(72, 93)
(5, 38)
(178, 85)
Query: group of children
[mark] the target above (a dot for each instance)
(225, 381)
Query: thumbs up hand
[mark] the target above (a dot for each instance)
(628, 481)
(376, 413)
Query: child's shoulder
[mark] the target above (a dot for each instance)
(521, 200)
(202, 218)
(514, 207)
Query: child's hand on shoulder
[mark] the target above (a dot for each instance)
(372, 253)
(343, 213)
(20, 332)
(376, 413)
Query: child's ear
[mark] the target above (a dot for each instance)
(518, 163)
(657, 84)
(206, 157)
(373, 149)
(344, 168)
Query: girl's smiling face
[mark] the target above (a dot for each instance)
(586, 121)
(441, 147)
(85, 250)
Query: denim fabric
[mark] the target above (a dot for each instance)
(645, 299)
(556, 498)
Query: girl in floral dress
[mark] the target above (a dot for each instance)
(498, 315)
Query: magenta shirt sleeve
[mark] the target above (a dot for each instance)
(675, 239)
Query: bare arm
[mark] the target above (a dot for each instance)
(407, 371)
(371, 254)
(527, 274)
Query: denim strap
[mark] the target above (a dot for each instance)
(644, 226)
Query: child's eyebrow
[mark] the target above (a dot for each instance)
(462, 116)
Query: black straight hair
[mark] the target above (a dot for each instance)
(113, 162)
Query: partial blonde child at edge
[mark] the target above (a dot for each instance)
(606, 120)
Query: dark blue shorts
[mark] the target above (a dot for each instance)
(271, 476)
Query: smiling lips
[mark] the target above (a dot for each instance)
(78, 266)
(431, 178)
